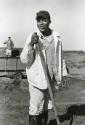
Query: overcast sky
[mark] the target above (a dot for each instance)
(17, 19)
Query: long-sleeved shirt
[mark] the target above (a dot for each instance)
(10, 44)
(30, 56)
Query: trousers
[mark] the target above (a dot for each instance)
(8, 52)
(39, 100)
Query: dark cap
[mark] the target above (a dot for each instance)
(43, 14)
(9, 37)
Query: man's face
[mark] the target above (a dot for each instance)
(43, 24)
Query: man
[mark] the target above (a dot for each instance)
(9, 46)
(48, 39)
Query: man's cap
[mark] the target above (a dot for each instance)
(43, 14)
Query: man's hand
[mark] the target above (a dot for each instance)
(34, 39)
(63, 81)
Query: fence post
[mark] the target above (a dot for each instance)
(6, 65)
(16, 63)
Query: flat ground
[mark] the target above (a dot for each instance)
(69, 102)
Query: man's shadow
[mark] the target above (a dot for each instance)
(72, 112)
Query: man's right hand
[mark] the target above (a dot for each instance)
(34, 39)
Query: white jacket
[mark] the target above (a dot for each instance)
(34, 69)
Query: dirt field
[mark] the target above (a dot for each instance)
(14, 103)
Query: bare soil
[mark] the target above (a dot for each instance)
(14, 101)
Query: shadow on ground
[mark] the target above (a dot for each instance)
(72, 113)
